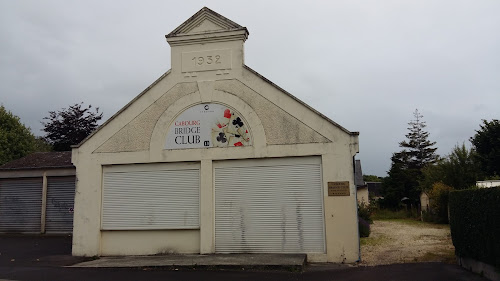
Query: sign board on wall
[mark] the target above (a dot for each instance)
(208, 125)
(338, 188)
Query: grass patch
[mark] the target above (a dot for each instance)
(385, 214)
(447, 256)
(409, 221)
(373, 241)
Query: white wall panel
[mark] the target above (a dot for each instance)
(151, 197)
(269, 206)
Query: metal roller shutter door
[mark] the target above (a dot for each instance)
(269, 208)
(60, 201)
(152, 199)
(21, 205)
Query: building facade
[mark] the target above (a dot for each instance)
(215, 158)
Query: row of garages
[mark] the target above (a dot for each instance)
(35, 197)
(260, 205)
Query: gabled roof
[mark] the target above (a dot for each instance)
(301, 102)
(205, 20)
(358, 174)
(39, 160)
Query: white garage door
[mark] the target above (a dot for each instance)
(269, 206)
(151, 196)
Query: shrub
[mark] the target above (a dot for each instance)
(428, 216)
(364, 227)
(439, 202)
(365, 212)
(475, 224)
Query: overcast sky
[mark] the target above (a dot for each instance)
(365, 64)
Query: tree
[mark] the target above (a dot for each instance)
(459, 170)
(16, 140)
(418, 151)
(406, 167)
(41, 144)
(486, 143)
(70, 126)
(432, 174)
(371, 178)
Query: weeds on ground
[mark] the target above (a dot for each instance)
(386, 214)
(415, 222)
(374, 241)
(405, 217)
(446, 257)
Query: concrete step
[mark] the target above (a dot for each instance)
(293, 262)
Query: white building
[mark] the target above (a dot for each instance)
(215, 158)
(488, 183)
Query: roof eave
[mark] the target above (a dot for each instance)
(301, 102)
(193, 17)
(36, 168)
(121, 110)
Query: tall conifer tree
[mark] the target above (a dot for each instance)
(417, 149)
(407, 165)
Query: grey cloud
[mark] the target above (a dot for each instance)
(366, 65)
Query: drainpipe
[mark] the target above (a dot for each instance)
(356, 203)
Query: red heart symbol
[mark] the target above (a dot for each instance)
(227, 113)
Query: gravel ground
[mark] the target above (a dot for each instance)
(400, 241)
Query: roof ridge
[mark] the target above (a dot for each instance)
(203, 14)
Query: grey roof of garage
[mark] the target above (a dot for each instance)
(39, 160)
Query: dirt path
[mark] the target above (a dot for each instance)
(400, 241)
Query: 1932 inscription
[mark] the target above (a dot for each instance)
(206, 60)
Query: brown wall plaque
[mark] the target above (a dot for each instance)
(338, 188)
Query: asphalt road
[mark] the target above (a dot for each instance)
(43, 258)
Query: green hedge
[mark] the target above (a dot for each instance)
(475, 224)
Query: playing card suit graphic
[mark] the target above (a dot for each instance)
(222, 138)
(237, 122)
(227, 113)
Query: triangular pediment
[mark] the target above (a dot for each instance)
(205, 21)
(205, 26)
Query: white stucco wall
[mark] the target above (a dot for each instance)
(424, 202)
(362, 195)
(149, 242)
(281, 126)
